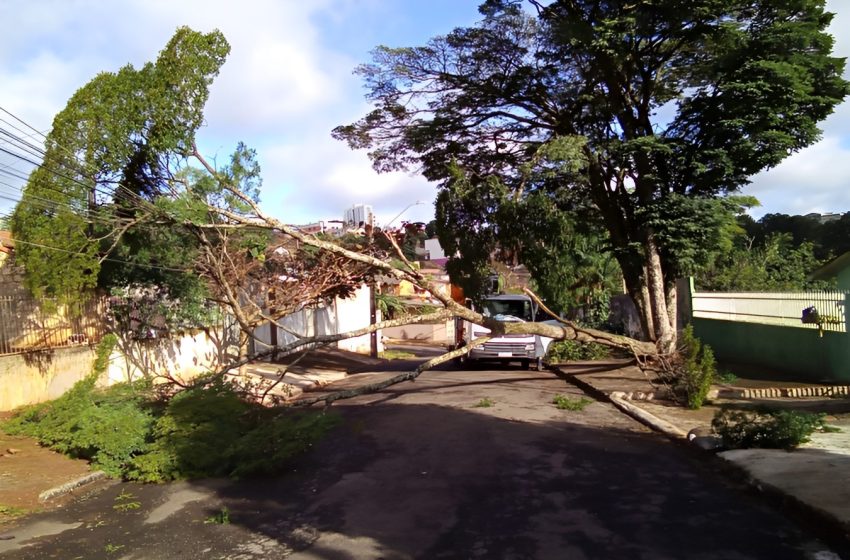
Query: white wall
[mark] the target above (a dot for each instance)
(435, 251)
(41, 376)
(342, 315)
(182, 358)
(352, 314)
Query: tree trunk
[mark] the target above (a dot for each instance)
(664, 334)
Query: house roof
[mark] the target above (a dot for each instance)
(832, 268)
(7, 244)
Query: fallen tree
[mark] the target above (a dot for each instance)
(124, 199)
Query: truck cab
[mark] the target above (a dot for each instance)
(526, 349)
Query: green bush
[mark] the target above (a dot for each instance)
(698, 368)
(127, 431)
(563, 402)
(571, 350)
(763, 428)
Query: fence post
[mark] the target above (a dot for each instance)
(846, 365)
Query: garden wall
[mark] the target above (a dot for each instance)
(45, 375)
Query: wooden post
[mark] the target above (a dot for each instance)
(373, 319)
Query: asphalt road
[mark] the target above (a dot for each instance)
(419, 471)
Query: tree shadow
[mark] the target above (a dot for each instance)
(427, 481)
(414, 479)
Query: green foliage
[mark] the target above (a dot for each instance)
(125, 501)
(389, 305)
(212, 432)
(484, 403)
(571, 351)
(563, 402)
(725, 377)
(397, 355)
(102, 353)
(775, 265)
(764, 428)
(107, 427)
(220, 518)
(697, 368)
(563, 103)
(116, 137)
(127, 432)
(111, 548)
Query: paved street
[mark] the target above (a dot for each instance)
(419, 471)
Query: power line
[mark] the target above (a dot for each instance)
(82, 165)
(110, 259)
(22, 122)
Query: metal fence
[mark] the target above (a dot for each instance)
(814, 310)
(27, 324)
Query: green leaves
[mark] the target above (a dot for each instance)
(675, 104)
(110, 155)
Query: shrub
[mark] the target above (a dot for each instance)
(106, 427)
(127, 431)
(571, 350)
(763, 428)
(697, 368)
(486, 402)
(212, 432)
(563, 402)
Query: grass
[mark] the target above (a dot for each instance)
(8, 513)
(396, 355)
(220, 518)
(484, 403)
(563, 402)
(126, 502)
(112, 548)
(725, 377)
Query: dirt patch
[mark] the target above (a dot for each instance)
(30, 470)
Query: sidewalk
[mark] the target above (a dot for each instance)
(815, 477)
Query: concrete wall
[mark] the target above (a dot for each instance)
(37, 377)
(42, 376)
(341, 315)
(180, 358)
(352, 314)
(798, 352)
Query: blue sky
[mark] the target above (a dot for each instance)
(289, 81)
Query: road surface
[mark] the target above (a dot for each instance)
(420, 471)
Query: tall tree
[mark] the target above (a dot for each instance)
(112, 152)
(668, 104)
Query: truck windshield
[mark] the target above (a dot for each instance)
(521, 309)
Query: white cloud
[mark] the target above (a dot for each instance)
(814, 180)
(302, 185)
(288, 82)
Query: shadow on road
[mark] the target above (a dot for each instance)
(415, 477)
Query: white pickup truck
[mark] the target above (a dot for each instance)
(524, 348)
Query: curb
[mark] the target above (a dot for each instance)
(788, 392)
(69, 487)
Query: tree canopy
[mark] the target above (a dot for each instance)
(109, 157)
(665, 106)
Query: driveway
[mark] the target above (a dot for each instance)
(419, 471)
